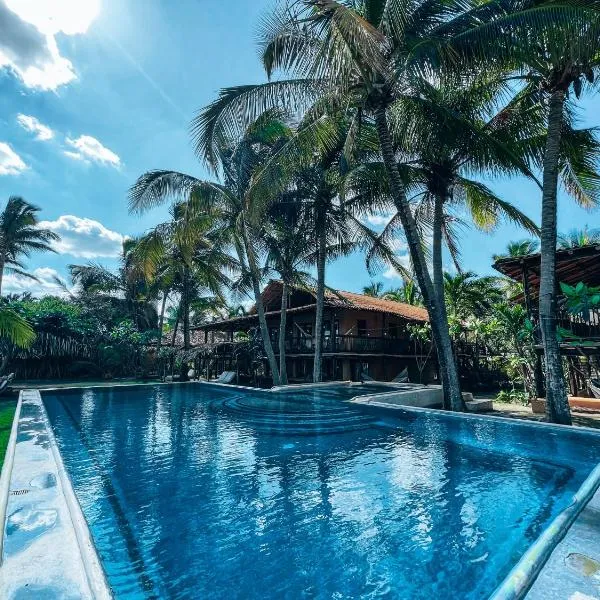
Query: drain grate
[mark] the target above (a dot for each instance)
(18, 492)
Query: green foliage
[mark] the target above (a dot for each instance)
(512, 397)
(581, 299)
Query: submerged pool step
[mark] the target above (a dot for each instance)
(293, 418)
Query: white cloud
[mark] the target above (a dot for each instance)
(15, 284)
(10, 162)
(31, 124)
(27, 43)
(89, 148)
(379, 220)
(84, 238)
(403, 260)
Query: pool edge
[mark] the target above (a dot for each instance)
(92, 571)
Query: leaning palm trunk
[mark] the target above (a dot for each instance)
(2, 262)
(260, 308)
(439, 325)
(282, 327)
(318, 360)
(557, 404)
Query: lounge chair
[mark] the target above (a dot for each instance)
(402, 377)
(364, 377)
(594, 385)
(4, 381)
(225, 377)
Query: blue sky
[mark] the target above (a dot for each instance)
(95, 92)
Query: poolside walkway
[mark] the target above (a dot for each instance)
(581, 418)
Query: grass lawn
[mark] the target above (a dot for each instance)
(7, 412)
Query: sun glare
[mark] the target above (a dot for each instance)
(53, 16)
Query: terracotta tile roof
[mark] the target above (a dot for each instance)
(360, 301)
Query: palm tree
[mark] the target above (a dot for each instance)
(127, 287)
(288, 250)
(518, 248)
(553, 52)
(408, 293)
(375, 289)
(20, 235)
(577, 238)
(470, 296)
(183, 251)
(228, 203)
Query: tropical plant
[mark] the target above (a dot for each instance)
(408, 293)
(469, 296)
(375, 289)
(126, 289)
(577, 238)
(20, 235)
(581, 299)
(518, 248)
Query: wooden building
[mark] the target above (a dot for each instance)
(361, 335)
(580, 331)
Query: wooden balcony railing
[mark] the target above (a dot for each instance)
(349, 344)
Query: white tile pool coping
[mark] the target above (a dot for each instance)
(46, 547)
(71, 567)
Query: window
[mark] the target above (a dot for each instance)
(361, 328)
(394, 330)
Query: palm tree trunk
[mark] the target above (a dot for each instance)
(264, 329)
(321, 258)
(439, 326)
(175, 328)
(438, 273)
(161, 319)
(557, 404)
(185, 306)
(282, 327)
(185, 318)
(2, 262)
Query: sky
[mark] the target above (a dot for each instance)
(95, 92)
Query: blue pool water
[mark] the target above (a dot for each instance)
(197, 491)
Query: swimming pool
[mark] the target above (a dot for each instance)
(198, 491)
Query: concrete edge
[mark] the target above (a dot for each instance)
(579, 429)
(94, 571)
(306, 386)
(523, 575)
(7, 467)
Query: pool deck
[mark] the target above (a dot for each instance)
(573, 569)
(47, 550)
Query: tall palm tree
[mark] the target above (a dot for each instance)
(184, 249)
(228, 202)
(20, 236)
(553, 51)
(288, 252)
